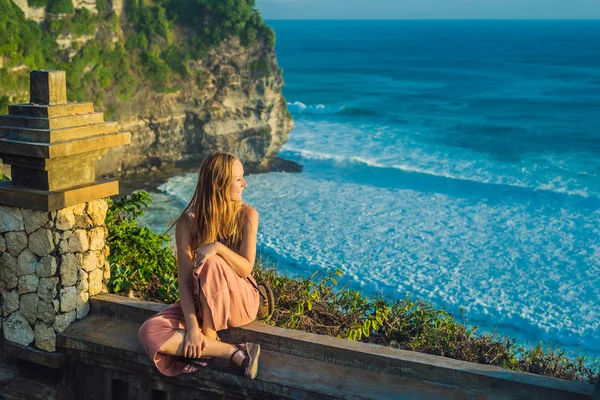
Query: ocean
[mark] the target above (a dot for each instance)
(455, 160)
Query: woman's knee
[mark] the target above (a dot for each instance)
(214, 265)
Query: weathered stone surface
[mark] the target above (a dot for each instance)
(90, 261)
(56, 305)
(46, 312)
(83, 310)
(66, 235)
(17, 329)
(11, 219)
(45, 337)
(26, 263)
(65, 219)
(96, 238)
(28, 283)
(56, 238)
(78, 242)
(49, 224)
(10, 302)
(63, 247)
(68, 299)
(69, 265)
(16, 242)
(83, 283)
(63, 321)
(48, 289)
(83, 221)
(78, 209)
(106, 271)
(29, 307)
(33, 220)
(3, 247)
(46, 267)
(8, 264)
(106, 251)
(41, 242)
(82, 298)
(96, 209)
(95, 279)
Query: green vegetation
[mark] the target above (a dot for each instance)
(60, 6)
(160, 39)
(3, 177)
(140, 260)
(145, 263)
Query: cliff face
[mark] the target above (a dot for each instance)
(238, 106)
(235, 111)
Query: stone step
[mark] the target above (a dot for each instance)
(281, 375)
(405, 364)
(58, 135)
(26, 389)
(50, 111)
(51, 123)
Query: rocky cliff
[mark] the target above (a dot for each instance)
(229, 99)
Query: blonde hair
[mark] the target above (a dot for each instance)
(215, 216)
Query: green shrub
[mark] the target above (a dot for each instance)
(259, 68)
(101, 5)
(4, 102)
(60, 6)
(140, 260)
(83, 22)
(37, 3)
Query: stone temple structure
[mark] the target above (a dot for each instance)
(52, 211)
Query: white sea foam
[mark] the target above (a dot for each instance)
(297, 107)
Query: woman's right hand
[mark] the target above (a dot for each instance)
(194, 343)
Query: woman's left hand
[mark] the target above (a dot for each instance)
(205, 251)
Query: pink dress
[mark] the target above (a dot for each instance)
(233, 301)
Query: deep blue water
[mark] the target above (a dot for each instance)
(456, 160)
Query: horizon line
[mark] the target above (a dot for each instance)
(432, 19)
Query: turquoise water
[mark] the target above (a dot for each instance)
(456, 160)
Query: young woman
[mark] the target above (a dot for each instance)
(216, 248)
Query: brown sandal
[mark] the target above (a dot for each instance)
(250, 363)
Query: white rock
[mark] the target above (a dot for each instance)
(63, 321)
(45, 337)
(95, 285)
(8, 264)
(65, 219)
(48, 289)
(66, 235)
(46, 267)
(78, 242)
(91, 262)
(83, 284)
(96, 238)
(41, 242)
(56, 238)
(63, 247)
(70, 264)
(68, 299)
(34, 220)
(83, 310)
(96, 209)
(83, 221)
(29, 307)
(26, 263)
(28, 283)
(82, 298)
(106, 271)
(10, 302)
(78, 209)
(11, 219)
(16, 242)
(46, 312)
(17, 329)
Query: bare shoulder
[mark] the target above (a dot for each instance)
(183, 225)
(249, 212)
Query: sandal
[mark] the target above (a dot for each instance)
(249, 364)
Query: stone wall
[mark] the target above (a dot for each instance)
(50, 263)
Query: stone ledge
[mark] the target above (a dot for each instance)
(368, 356)
(33, 355)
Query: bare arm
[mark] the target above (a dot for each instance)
(243, 262)
(183, 237)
